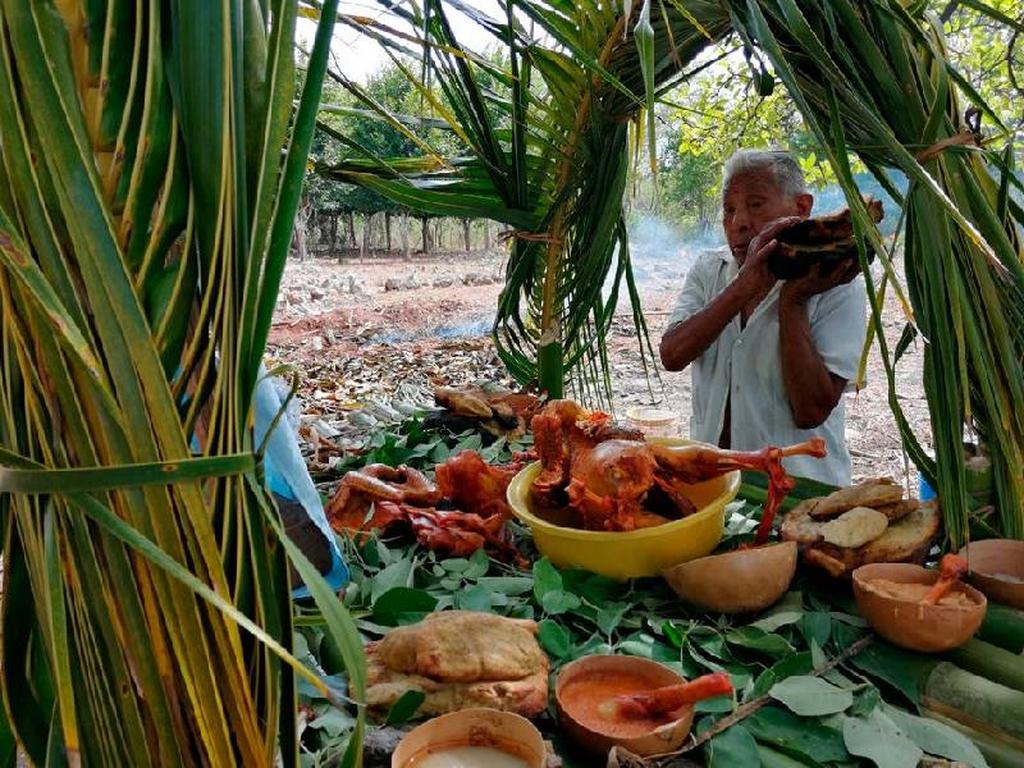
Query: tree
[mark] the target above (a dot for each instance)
(989, 53)
(344, 124)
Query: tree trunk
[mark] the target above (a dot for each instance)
(300, 242)
(365, 248)
(387, 230)
(425, 224)
(439, 234)
(351, 229)
(299, 236)
(404, 226)
(334, 232)
(465, 234)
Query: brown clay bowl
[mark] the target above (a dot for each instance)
(736, 582)
(477, 727)
(909, 624)
(587, 675)
(997, 569)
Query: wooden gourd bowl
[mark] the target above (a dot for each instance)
(662, 739)
(476, 727)
(997, 569)
(911, 624)
(736, 582)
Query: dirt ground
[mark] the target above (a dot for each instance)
(370, 340)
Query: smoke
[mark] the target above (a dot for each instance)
(662, 252)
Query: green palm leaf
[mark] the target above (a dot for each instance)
(142, 241)
(871, 79)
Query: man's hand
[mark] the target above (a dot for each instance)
(800, 289)
(754, 272)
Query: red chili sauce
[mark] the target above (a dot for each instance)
(582, 698)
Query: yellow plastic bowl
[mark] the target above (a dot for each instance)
(629, 554)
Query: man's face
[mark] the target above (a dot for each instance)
(751, 202)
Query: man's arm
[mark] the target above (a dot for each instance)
(812, 389)
(688, 339)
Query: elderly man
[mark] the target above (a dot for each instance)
(771, 359)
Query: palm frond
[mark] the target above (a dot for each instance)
(871, 79)
(555, 154)
(146, 613)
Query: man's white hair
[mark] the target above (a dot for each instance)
(782, 166)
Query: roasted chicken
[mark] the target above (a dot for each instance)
(614, 480)
(351, 502)
(473, 484)
(497, 412)
(381, 498)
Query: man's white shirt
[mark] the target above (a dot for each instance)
(746, 362)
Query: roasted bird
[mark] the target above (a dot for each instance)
(381, 498)
(348, 508)
(473, 484)
(497, 412)
(616, 481)
(825, 240)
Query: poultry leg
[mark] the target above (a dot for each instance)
(351, 502)
(696, 463)
(952, 568)
(669, 698)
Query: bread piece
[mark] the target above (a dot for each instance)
(899, 510)
(464, 646)
(871, 493)
(905, 541)
(855, 527)
(527, 696)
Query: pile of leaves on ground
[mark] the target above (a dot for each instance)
(813, 686)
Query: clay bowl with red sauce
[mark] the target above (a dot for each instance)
(997, 569)
(742, 581)
(897, 614)
(583, 685)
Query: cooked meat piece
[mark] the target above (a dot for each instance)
(465, 402)
(827, 229)
(473, 485)
(855, 528)
(832, 566)
(826, 240)
(871, 493)
(799, 526)
(465, 646)
(527, 696)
